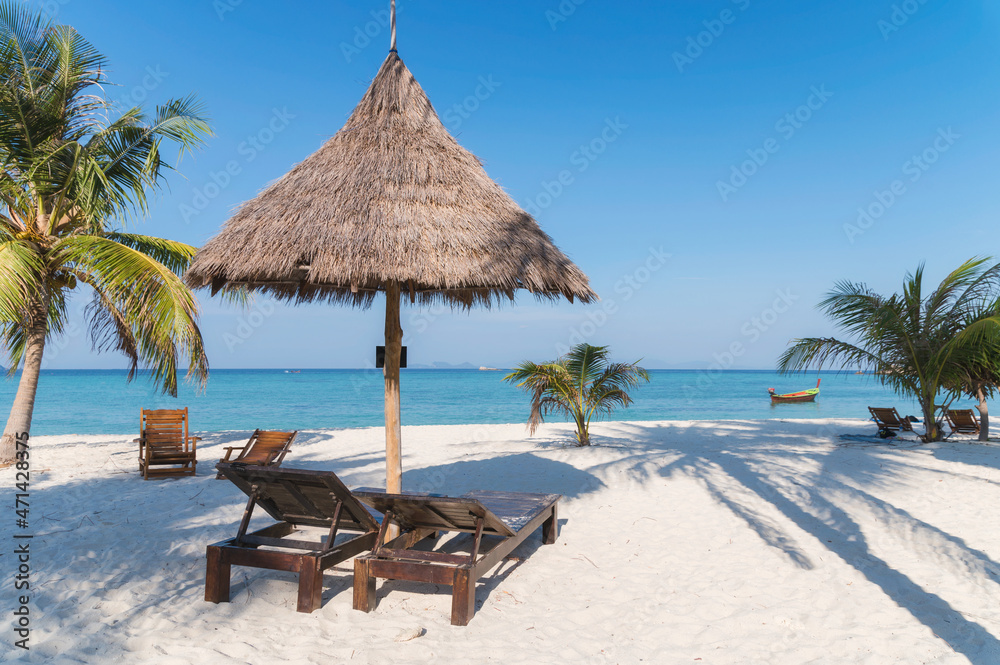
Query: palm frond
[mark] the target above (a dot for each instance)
(174, 255)
(584, 363)
(20, 277)
(141, 308)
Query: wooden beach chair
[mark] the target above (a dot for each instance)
(962, 421)
(888, 419)
(298, 500)
(265, 448)
(509, 516)
(165, 448)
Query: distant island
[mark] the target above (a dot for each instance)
(444, 365)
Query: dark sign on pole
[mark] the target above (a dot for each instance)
(380, 357)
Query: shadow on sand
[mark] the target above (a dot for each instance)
(736, 462)
(732, 473)
(120, 536)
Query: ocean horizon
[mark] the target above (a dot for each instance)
(101, 402)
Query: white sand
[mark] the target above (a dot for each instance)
(680, 542)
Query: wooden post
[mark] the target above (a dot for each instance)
(217, 574)
(364, 585)
(393, 350)
(550, 528)
(310, 584)
(463, 597)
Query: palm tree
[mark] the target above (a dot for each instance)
(581, 384)
(71, 178)
(980, 386)
(979, 376)
(919, 345)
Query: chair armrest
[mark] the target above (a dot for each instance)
(229, 451)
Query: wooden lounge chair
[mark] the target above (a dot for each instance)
(297, 499)
(962, 421)
(265, 448)
(510, 516)
(888, 419)
(165, 448)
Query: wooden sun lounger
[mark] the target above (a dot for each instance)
(511, 516)
(165, 448)
(265, 448)
(295, 498)
(889, 419)
(962, 421)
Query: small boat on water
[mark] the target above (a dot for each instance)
(802, 396)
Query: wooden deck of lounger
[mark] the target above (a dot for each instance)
(511, 516)
(295, 498)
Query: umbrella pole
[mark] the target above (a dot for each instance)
(393, 350)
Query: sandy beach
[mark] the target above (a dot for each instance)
(680, 542)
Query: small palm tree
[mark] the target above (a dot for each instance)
(68, 174)
(581, 384)
(924, 346)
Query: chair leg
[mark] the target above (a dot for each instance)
(217, 574)
(463, 597)
(364, 586)
(310, 585)
(550, 528)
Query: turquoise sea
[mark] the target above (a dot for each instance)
(101, 402)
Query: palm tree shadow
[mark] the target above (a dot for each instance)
(843, 536)
(765, 528)
(732, 475)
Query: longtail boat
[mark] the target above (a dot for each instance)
(802, 396)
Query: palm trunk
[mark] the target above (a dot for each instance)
(931, 432)
(984, 416)
(582, 431)
(19, 422)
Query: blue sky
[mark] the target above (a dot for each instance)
(714, 156)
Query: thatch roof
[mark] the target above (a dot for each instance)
(392, 197)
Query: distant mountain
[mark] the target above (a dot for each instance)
(657, 363)
(444, 365)
(694, 364)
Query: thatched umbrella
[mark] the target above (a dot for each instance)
(391, 203)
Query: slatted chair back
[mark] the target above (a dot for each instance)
(266, 447)
(962, 421)
(165, 430)
(890, 419)
(440, 513)
(299, 496)
(165, 446)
